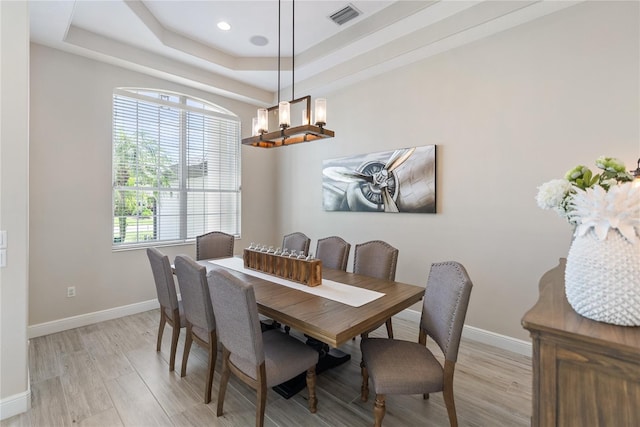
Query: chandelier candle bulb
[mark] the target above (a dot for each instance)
(321, 111)
(263, 120)
(307, 120)
(284, 114)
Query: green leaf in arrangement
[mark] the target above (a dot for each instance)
(558, 194)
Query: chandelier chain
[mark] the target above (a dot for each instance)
(279, 20)
(293, 49)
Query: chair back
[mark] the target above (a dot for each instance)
(236, 311)
(375, 259)
(333, 252)
(215, 244)
(444, 308)
(196, 301)
(297, 241)
(163, 277)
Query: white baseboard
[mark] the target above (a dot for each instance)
(469, 332)
(503, 342)
(480, 335)
(16, 404)
(90, 318)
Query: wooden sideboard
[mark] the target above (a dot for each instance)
(585, 373)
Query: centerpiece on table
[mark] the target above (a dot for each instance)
(281, 263)
(602, 276)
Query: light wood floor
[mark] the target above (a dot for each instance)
(109, 374)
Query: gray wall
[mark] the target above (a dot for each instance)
(508, 113)
(14, 205)
(70, 188)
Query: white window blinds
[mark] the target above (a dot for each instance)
(176, 168)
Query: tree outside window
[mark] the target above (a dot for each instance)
(138, 164)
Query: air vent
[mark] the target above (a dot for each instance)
(345, 15)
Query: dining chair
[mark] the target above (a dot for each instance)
(333, 252)
(215, 244)
(297, 241)
(376, 259)
(171, 310)
(260, 360)
(404, 367)
(198, 313)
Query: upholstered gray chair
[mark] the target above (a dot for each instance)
(171, 311)
(261, 360)
(296, 241)
(403, 367)
(376, 259)
(333, 252)
(215, 244)
(198, 313)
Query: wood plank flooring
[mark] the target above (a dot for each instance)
(109, 374)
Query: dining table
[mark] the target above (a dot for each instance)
(345, 305)
(327, 320)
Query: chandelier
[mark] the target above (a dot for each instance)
(288, 134)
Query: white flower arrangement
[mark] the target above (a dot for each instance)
(554, 195)
(608, 200)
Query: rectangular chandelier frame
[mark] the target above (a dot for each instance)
(290, 135)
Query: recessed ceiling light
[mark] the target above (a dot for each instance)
(259, 40)
(224, 26)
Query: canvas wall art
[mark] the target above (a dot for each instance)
(401, 180)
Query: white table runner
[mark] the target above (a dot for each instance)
(340, 292)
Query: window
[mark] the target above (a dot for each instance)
(176, 168)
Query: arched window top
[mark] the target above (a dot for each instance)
(176, 99)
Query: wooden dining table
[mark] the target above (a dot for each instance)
(326, 320)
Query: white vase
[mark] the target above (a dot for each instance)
(602, 278)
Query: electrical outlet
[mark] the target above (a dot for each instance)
(71, 291)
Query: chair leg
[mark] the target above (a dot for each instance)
(187, 348)
(364, 389)
(163, 320)
(362, 336)
(389, 328)
(174, 346)
(213, 355)
(262, 395)
(451, 407)
(447, 392)
(311, 387)
(379, 410)
(224, 380)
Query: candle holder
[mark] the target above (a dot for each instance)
(307, 271)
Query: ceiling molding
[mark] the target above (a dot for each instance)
(117, 53)
(400, 33)
(375, 23)
(441, 37)
(192, 47)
